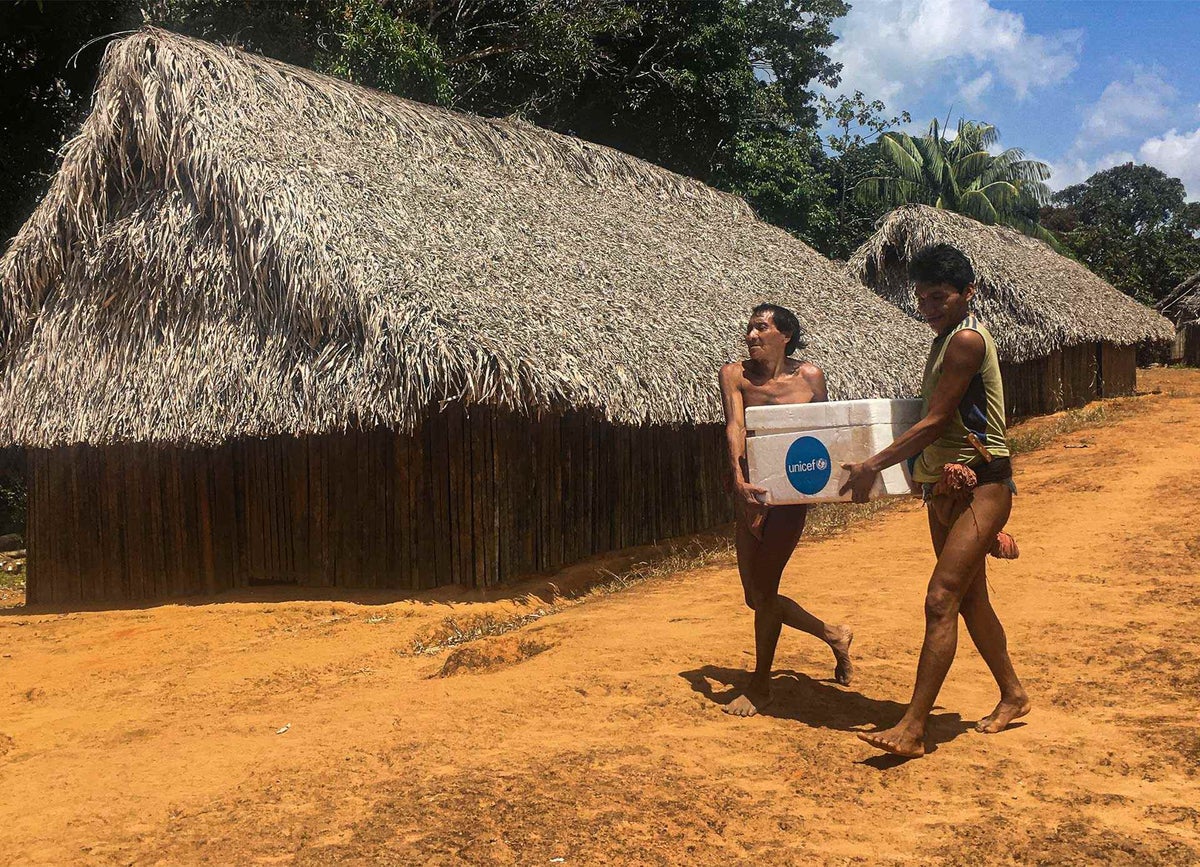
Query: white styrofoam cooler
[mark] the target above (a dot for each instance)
(796, 451)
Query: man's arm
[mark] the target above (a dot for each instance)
(815, 377)
(735, 437)
(735, 419)
(963, 359)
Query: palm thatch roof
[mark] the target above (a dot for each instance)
(237, 247)
(1036, 299)
(1183, 304)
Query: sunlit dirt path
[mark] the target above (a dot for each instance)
(149, 736)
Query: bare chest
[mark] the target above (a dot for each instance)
(776, 392)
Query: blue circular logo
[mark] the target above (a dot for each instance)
(808, 465)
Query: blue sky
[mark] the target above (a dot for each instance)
(1080, 84)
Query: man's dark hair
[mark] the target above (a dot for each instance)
(785, 320)
(941, 263)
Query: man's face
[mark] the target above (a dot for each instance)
(941, 305)
(762, 336)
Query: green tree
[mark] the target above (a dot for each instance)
(782, 175)
(383, 51)
(709, 89)
(855, 156)
(960, 173)
(1133, 226)
(718, 90)
(48, 70)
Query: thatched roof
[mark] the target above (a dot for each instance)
(1035, 299)
(1183, 304)
(237, 247)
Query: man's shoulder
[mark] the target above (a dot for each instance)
(967, 335)
(809, 371)
(966, 346)
(971, 325)
(733, 371)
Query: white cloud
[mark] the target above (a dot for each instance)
(1177, 154)
(1074, 170)
(892, 48)
(1125, 108)
(972, 90)
(1127, 111)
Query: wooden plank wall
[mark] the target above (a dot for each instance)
(1178, 347)
(472, 499)
(1069, 377)
(1118, 370)
(1080, 374)
(1191, 344)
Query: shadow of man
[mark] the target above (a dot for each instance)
(821, 704)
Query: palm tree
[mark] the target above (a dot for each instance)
(961, 174)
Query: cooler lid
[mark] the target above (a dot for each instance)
(839, 413)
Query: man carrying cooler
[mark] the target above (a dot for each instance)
(962, 462)
(767, 535)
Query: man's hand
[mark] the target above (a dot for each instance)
(751, 499)
(862, 479)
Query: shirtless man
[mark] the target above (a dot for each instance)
(963, 397)
(767, 535)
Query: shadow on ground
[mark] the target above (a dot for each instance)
(821, 704)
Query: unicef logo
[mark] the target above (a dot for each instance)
(808, 465)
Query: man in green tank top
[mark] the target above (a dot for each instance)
(963, 424)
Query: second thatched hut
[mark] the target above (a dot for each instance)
(268, 326)
(1064, 335)
(1182, 306)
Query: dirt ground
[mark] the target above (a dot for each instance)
(594, 734)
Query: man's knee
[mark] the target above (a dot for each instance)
(762, 601)
(940, 603)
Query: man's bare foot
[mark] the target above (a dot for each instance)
(1005, 713)
(753, 701)
(897, 741)
(844, 672)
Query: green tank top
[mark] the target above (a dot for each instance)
(981, 410)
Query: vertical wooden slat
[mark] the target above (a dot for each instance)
(425, 508)
(452, 503)
(137, 466)
(110, 523)
(174, 523)
(499, 489)
(227, 554)
(72, 521)
(438, 499)
(413, 468)
(202, 475)
(339, 456)
(238, 484)
(42, 556)
(323, 506)
(381, 483)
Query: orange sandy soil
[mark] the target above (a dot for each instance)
(595, 734)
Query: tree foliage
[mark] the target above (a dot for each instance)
(719, 90)
(855, 157)
(45, 91)
(960, 173)
(1133, 226)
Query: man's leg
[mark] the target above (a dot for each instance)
(988, 634)
(761, 564)
(967, 542)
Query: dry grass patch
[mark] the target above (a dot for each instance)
(1037, 433)
(491, 654)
